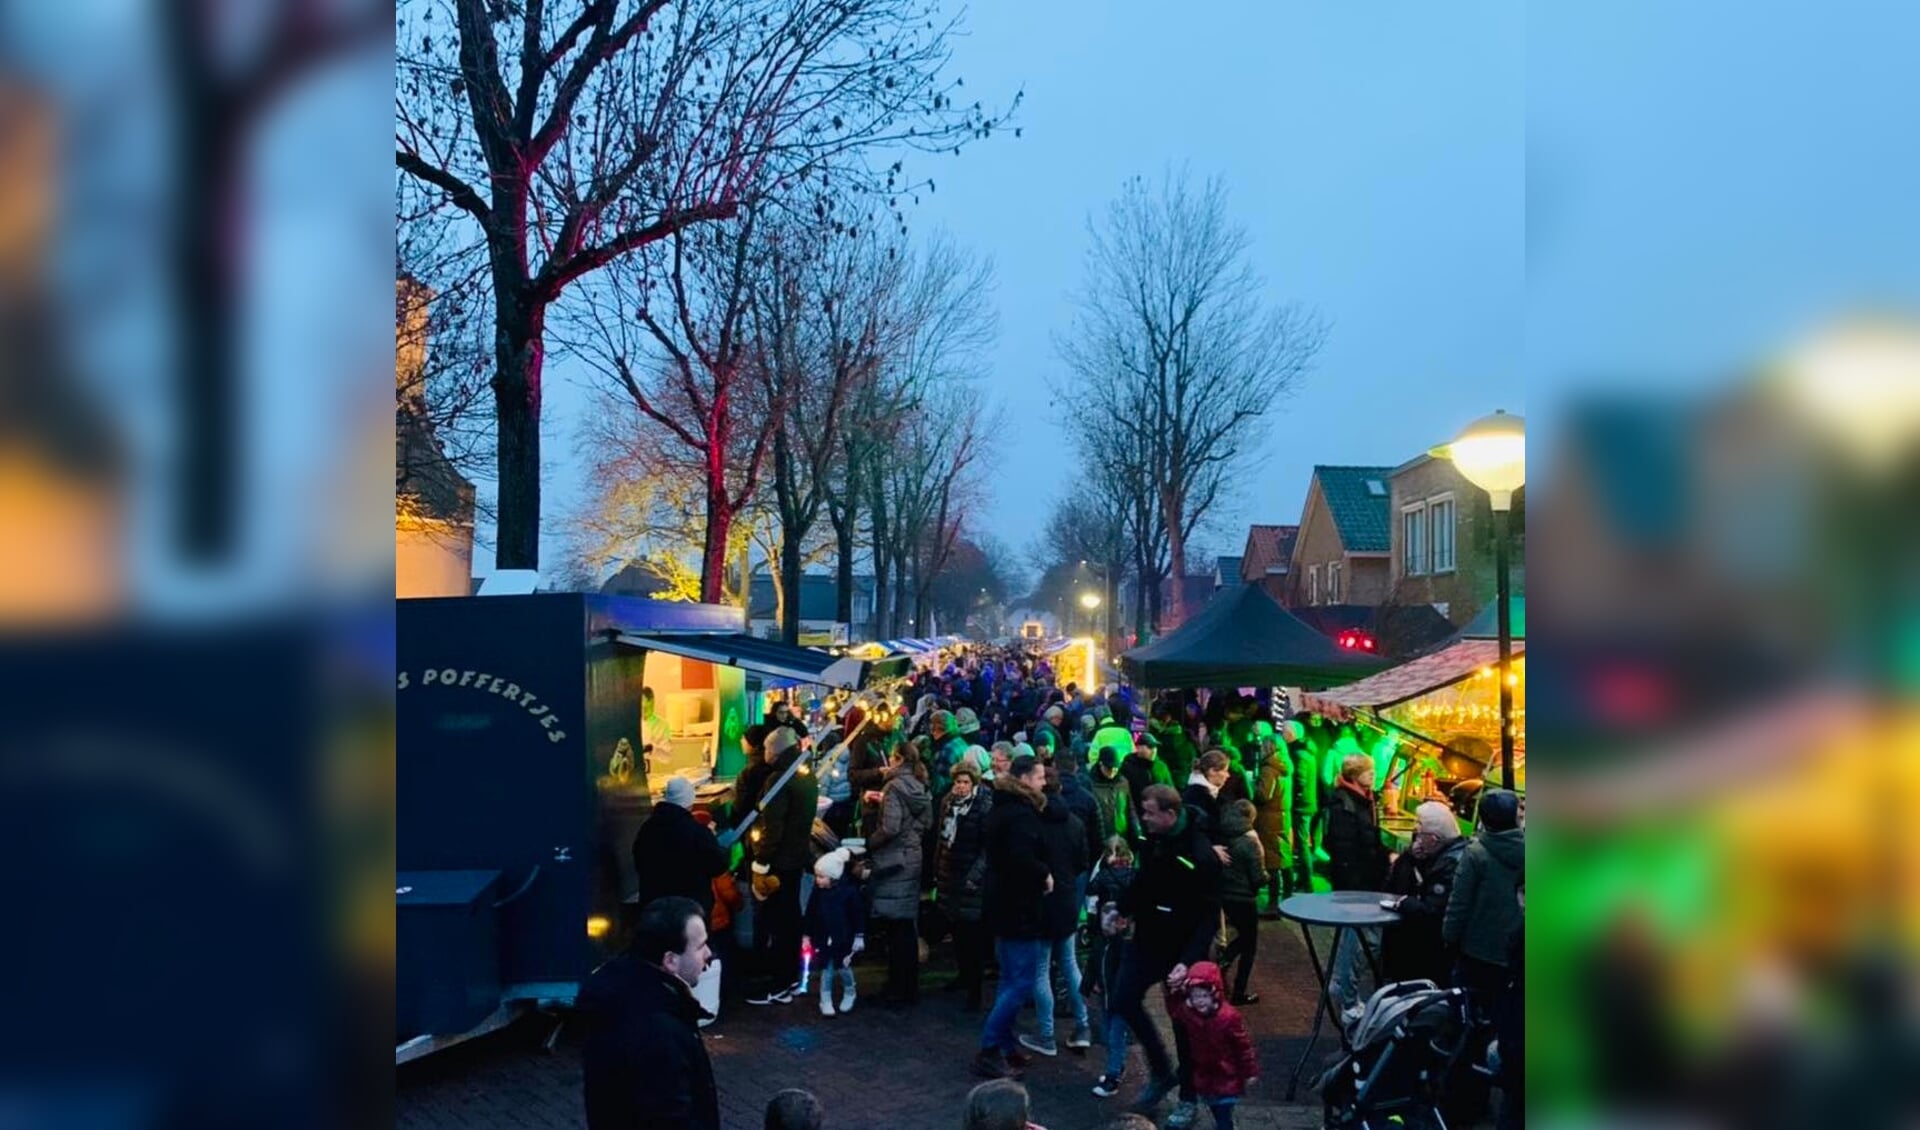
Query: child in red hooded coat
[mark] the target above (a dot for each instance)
(1222, 1053)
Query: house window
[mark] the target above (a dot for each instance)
(1440, 532)
(1413, 539)
(1333, 583)
(1313, 584)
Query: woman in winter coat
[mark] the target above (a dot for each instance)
(1273, 820)
(1202, 795)
(906, 814)
(961, 873)
(1423, 878)
(1240, 886)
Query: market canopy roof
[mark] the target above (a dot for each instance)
(1451, 664)
(1243, 639)
(763, 657)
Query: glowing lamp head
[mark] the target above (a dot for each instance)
(1089, 600)
(599, 927)
(1492, 454)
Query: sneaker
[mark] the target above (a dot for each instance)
(782, 996)
(1108, 1086)
(990, 1064)
(1241, 1000)
(1082, 1037)
(1154, 1093)
(846, 1000)
(826, 1004)
(1041, 1044)
(1183, 1116)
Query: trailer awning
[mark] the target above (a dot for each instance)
(763, 657)
(1424, 675)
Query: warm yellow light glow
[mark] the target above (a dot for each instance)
(1089, 600)
(599, 927)
(1860, 383)
(1492, 454)
(1486, 672)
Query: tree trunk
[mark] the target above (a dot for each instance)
(790, 586)
(902, 623)
(519, 355)
(1177, 560)
(713, 557)
(844, 523)
(206, 263)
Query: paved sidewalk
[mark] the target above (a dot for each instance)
(874, 1069)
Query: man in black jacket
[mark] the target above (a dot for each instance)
(1174, 906)
(673, 854)
(1069, 859)
(1356, 861)
(644, 1064)
(1018, 881)
(782, 848)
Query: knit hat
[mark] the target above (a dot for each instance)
(680, 792)
(966, 721)
(780, 741)
(1022, 749)
(1436, 818)
(1500, 810)
(1056, 714)
(979, 758)
(942, 721)
(832, 865)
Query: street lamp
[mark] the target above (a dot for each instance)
(1492, 454)
(1106, 584)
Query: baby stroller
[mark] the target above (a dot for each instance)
(1407, 1043)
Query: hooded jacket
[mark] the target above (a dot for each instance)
(1246, 870)
(1176, 747)
(1483, 910)
(644, 1065)
(960, 873)
(1221, 1051)
(1139, 772)
(906, 814)
(834, 918)
(674, 855)
(1357, 858)
(1016, 861)
(1065, 838)
(1175, 897)
(1113, 801)
(1273, 798)
(1412, 948)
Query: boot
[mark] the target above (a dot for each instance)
(846, 995)
(826, 995)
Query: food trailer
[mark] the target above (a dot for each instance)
(521, 778)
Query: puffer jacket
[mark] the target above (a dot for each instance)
(1273, 797)
(1219, 1047)
(1016, 861)
(1412, 948)
(960, 874)
(1065, 839)
(1483, 910)
(906, 814)
(1245, 872)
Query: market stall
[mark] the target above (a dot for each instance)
(1244, 639)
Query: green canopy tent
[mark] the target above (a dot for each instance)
(1243, 639)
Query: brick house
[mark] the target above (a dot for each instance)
(1342, 552)
(1442, 535)
(1268, 557)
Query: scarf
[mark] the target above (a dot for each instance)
(956, 811)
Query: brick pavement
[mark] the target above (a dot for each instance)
(874, 1069)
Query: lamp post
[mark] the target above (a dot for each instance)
(1090, 601)
(1492, 454)
(1106, 587)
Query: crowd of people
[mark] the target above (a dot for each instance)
(1066, 847)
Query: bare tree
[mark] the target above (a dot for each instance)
(1178, 351)
(443, 407)
(1087, 529)
(575, 132)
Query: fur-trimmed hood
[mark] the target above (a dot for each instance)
(1010, 786)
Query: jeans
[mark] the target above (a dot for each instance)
(1019, 963)
(1222, 1109)
(1244, 919)
(1116, 1043)
(1058, 951)
(1348, 960)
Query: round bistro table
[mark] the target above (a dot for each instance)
(1343, 911)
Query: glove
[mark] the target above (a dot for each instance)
(765, 886)
(859, 946)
